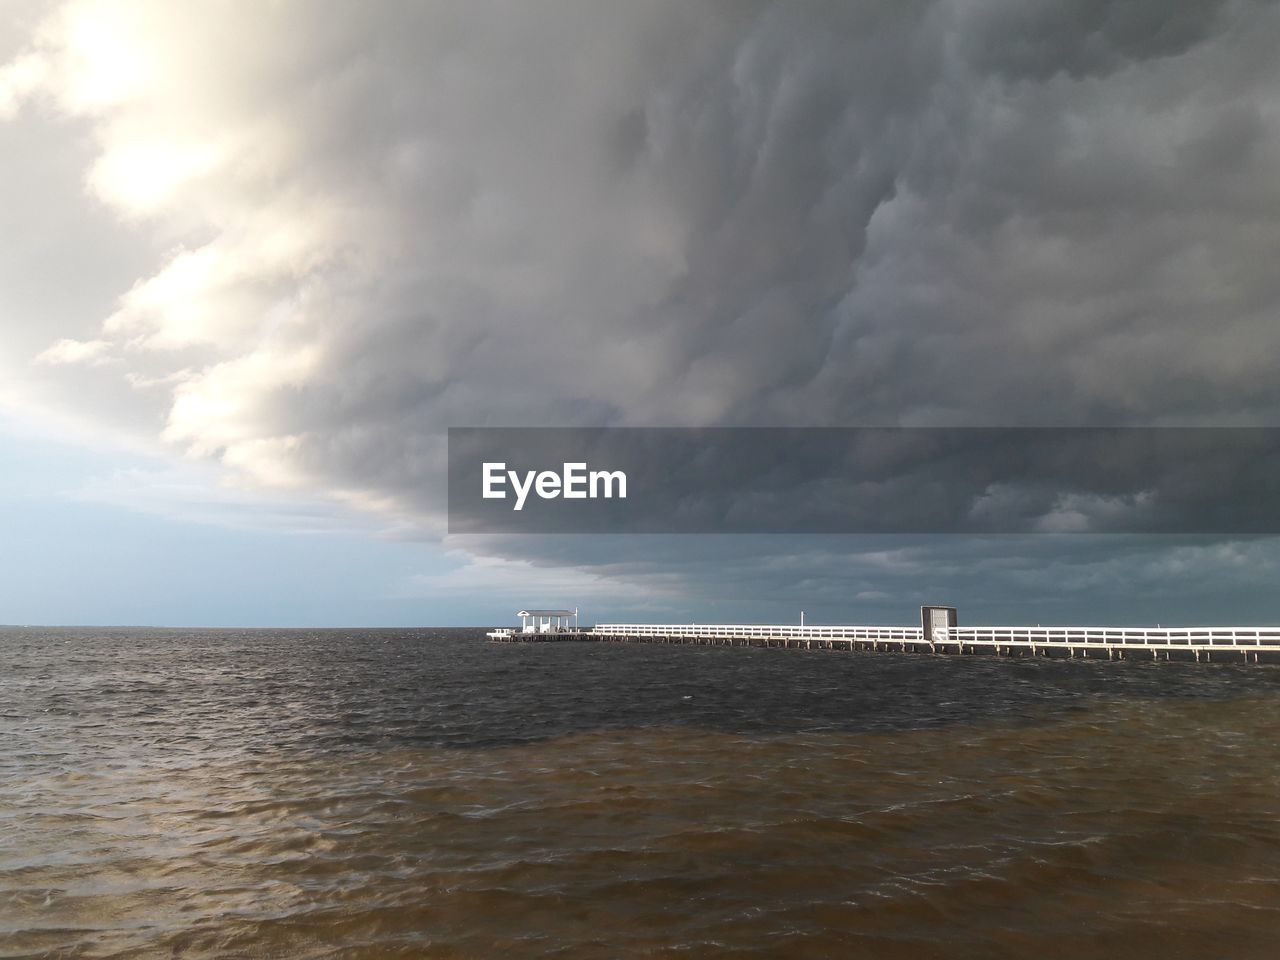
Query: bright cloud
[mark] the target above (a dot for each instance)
(70, 351)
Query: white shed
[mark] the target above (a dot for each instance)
(547, 621)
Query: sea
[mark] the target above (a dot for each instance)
(425, 794)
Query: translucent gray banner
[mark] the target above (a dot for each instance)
(864, 480)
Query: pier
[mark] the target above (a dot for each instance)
(940, 634)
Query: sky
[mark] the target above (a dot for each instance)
(258, 261)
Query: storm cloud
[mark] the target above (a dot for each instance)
(402, 217)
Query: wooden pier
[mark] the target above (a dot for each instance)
(1200, 644)
(938, 634)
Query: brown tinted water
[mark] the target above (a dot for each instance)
(424, 794)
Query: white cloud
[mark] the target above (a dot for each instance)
(1078, 513)
(68, 351)
(19, 79)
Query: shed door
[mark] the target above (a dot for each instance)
(937, 621)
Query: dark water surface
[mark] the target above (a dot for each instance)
(365, 794)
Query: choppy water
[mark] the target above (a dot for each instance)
(367, 794)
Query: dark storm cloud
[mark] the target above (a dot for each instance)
(882, 579)
(1036, 39)
(805, 214)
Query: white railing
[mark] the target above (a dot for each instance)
(1189, 638)
(1185, 637)
(755, 631)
